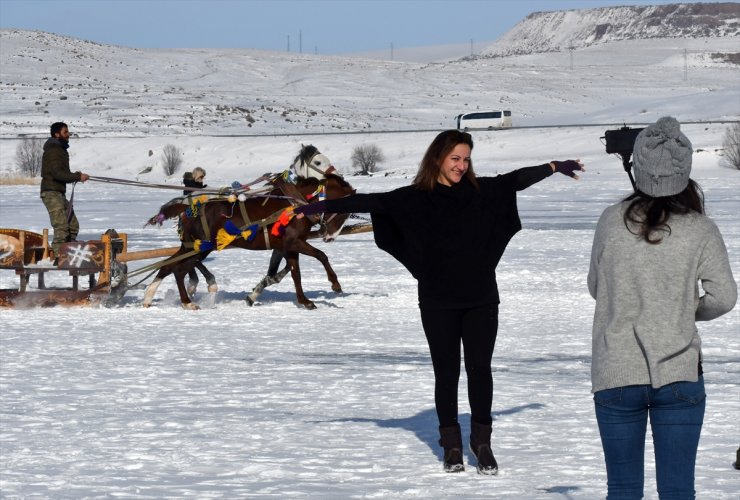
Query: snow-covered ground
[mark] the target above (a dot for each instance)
(278, 402)
(274, 401)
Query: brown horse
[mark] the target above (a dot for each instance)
(257, 223)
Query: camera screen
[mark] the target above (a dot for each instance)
(621, 141)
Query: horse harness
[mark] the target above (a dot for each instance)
(282, 217)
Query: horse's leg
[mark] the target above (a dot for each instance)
(306, 249)
(210, 278)
(275, 259)
(192, 282)
(181, 270)
(278, 277)
(163, 272)
(295, 272)
(272, 276)
(152, 289)
(265, 282)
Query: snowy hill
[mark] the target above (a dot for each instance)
(110, 91)
(567, 29)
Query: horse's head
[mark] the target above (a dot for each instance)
(310, 162)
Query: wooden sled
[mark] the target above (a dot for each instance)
(28, 254)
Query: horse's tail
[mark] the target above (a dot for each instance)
(169, 210)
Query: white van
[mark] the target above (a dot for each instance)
(487, 120)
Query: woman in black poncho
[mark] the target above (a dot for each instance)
(449, 228)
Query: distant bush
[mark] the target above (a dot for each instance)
(28, 156)
(731, 145)
(171, 159)
(365, 158)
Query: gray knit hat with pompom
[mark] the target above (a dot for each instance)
(662, 158)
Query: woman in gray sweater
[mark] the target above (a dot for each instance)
(650, 253)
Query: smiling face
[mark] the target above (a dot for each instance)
(455, 165)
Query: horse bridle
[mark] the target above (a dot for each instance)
(308, 165)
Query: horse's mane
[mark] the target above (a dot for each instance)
(338, 178)
(306, 181)
(306, 153)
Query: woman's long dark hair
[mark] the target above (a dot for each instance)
(426, 176)
(650, 215)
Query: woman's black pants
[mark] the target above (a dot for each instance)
(476, 328)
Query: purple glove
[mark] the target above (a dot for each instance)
(568, 167)
(311, 208)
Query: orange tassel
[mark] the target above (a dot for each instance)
(279, 227)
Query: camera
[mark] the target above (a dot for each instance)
(621, 141)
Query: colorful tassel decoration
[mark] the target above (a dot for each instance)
(223, 239)
(202, 246)
(231, 228)
(251, 232)
(226, 235)
(278, 229)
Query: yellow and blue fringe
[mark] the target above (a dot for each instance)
(230, 232)
(202, 246)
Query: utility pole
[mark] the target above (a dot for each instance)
(571, 49)
(288, 43)
(300, 41)
(471, 47)
(391, 51)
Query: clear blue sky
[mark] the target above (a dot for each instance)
(326, 26)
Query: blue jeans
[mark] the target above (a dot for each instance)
(676, 416)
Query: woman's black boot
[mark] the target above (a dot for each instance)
(480, 445)
(450, 438)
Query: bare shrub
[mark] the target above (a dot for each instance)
(365, 158)
(171, 159)
(731, 146)
(28, 156)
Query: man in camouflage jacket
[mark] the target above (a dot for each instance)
(55, 175)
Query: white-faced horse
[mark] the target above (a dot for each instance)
(309, 163)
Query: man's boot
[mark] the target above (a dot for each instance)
(450, 438)
(480, 445)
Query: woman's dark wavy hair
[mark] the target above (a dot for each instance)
(426, 176)
(650, 215)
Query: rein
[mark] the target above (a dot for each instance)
(236, 188)
(70, 207)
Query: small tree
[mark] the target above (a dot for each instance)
(366, 157)
(28, 156)
(731, 146)
(171, 159)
